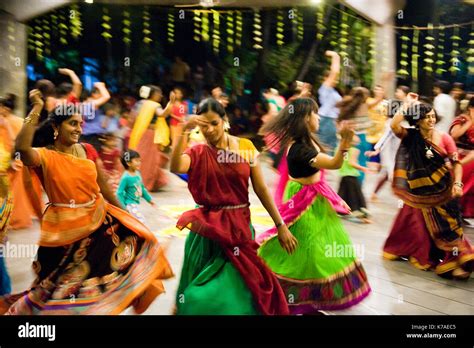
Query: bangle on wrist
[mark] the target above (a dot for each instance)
(281, 223)
(458, 184)
(31, 117)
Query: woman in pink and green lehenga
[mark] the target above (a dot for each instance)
(317, 275)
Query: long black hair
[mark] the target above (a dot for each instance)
(44, 134)
(211, 104)
(290, 124)
(417, 112)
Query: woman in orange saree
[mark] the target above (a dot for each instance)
(94, 258)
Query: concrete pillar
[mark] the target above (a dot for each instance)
(13, 60)
(385, 53)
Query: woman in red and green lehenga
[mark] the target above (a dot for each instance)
(323, 272)
(222, 274)
(427, 177)
(94, 258)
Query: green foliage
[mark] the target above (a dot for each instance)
(283, 63)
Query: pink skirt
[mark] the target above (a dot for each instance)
(153, 160)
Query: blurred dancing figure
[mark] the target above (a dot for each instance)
(90, 249)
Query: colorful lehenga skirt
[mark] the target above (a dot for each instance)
(323, 272)
(104, 273)
(410, 238)
(210, 284)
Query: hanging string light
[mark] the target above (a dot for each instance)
(62, 28)
(334, 31)
(440, 55)
(404, 56)
(75, 20)
(238, 29)
(146, 26)
(470, 51)
(216, 36)
(358, 27)
(39, 45)
(126, 28)
(372, 44)
(280, 36)
(414, 55)
(429, 47)
(320, 27)
(455, 51)
(257, 31)
(205, 26)
(171, 27)
(31, 38)
(47, 36)
(343, 39)
(106, 19)
(300, 26)
(197, 26)
(230, 32)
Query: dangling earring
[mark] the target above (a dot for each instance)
(226, 125)
(56, 134)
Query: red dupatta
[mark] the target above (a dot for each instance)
(214, 185)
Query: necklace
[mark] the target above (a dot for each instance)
(429, 153)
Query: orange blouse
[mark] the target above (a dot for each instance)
(76, 207)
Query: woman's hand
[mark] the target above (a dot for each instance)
(456, 191)
(346, 132)
(331, 53)
(286, 239)
(36, 97)
(172, 97)
(193, 122)
(371, 153)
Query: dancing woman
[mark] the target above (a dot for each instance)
(428, 228)
(6, 201)
(94, 258)
(317, 275)
(222, 273)
(462, 131)
(150, 135)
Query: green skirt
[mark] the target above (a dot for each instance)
(210, 284)
(323, 271)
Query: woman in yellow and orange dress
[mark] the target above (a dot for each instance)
(6, 199)
(94, 258)
(26, 189)
(151, 135)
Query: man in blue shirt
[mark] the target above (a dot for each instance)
(328, 98)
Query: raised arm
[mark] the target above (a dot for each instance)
(458, 130)
(396, 124)
(104, 94)
(169, 107)
(335, 68)
(24, 140)
(75, 80)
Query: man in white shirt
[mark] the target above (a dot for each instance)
(444, 105)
